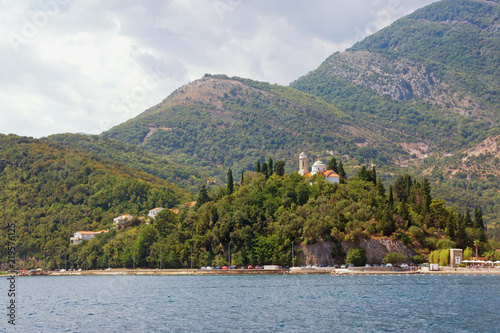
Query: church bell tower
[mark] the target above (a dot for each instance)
(303, 164)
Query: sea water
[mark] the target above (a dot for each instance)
(250, 303)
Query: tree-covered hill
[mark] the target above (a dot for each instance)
(430, 83)
(50, 191)
(184, 176)
(231, 122)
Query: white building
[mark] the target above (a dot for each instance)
(153, 212)
(121, 220)
(317, 168)
(80, 236)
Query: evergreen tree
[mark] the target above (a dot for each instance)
(332, 165)
(229, 181)
(341, 172)
(390, 200)
(363, 174)
(270, 166)
(257, 167)
(265, 170)
(460, 234)
(386, 222)
(380, 188)
(242, 178)
(280, 168)
(426, 189)
(478, 219)
(468, 219)
(202, 196)
(451, 226)
(373, 175)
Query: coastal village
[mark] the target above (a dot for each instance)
(314, 267)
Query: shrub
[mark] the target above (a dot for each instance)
(418, 259)
(417, 232)
(430, 243)
(394, 258)
(356, 256)
(467, 253)
(404, 237)
(446, 243)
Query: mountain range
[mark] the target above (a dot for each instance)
(420, 96)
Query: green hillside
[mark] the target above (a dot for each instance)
(429, 83)
(231, 122)
(133, 156)
(49, 192)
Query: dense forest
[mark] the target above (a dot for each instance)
(49, 192)
(258, 215)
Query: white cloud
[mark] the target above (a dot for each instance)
(84, 66)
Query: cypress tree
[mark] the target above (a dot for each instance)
(257, 167)
(280, 168)
(229, 181)
(242, 177)
(390, 200)
(202, 196)
(478, 219)
(341, 172)
(270, 166)
(460, 235)
(265, 170)
(332, 165)
(468, 219)
(426, 188)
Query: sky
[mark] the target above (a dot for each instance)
(84, 66)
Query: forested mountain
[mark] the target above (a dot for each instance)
(182, 175)
(231, 122)
(430, 84)
(49, 192)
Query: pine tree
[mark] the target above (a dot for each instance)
(229, 181)
(332, 165)
(280, 168)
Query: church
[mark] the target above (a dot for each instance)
(317, 168)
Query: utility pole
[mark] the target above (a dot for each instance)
(229, 251)
(191, 256)
(293, 265)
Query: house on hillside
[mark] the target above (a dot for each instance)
(121, 220)
(80, 236)
(153, 212)
(318, 168)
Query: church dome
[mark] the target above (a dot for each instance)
(319, 163)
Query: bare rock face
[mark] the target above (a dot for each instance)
(315, 254)
(320, 253)
(400, 79)
(377, 248)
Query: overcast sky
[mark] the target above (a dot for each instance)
(87, 65)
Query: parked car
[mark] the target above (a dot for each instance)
(342, 266)
(250, 267)
(368, 265)
(257, 267)
(217, 267)
(351, 265)
(388, 265)
(224, 267)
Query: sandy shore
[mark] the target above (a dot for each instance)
(294, 270)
